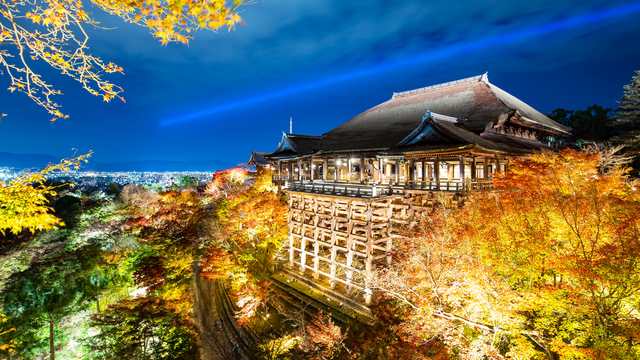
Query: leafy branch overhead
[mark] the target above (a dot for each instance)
(54, 32)
(24, 201)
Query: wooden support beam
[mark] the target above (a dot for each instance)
(411, 174)
(357, 232)
(473, 168)
(436, 169)
(325, 169)
(349, 272)
(316, 244)
(334, 250)
(362, 164)
(291, 243)
(397, 167)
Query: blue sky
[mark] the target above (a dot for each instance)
(323, 62)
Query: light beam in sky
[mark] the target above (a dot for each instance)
(425, 57)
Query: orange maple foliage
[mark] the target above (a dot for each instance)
(546, 264)
(251, 225)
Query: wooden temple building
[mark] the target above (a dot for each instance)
(351, 189)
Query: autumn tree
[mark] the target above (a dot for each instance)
(142, 328)
(24, 201)
(249, 230)
(54, 33)
(167, 225)
(546, 265)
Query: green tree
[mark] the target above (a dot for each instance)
(38, 298)
(627, 122)
(626, 127)
(592, 123)
(142, 328)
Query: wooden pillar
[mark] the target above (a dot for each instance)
(303, 240)
(473, 169)
(291, 242)
(362, 164)
(325, 169)
(380, 171)
(334, 249)
(397, 165)
(349, 271)
(368, 271)
(303, 246)
(436, 169)
(424, 172)
(311, 176)
(299, 170)
(279, 172)
(461, 161)
(485, 167)
(412, 170)
(316, 244)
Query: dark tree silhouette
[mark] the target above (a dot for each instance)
(592, 123)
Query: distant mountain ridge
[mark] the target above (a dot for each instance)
(37, 161)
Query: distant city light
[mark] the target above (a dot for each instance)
(428, 56)
(101, 179)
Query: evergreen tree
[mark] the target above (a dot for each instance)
(627, 124)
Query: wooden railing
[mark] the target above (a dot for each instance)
(375, 190)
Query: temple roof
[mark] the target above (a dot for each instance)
(473, 101)
(296, 144)
(436, 131)
(455, 113)
(257, 158)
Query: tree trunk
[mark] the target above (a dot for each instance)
(52, 350)
(97, 304)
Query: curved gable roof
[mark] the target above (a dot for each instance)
(474, 101)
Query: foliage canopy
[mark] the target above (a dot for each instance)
(54, 32)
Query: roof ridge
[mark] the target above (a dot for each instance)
(304, 136)
(483, 77)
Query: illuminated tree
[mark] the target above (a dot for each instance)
(546, 264)
(250, 228)
(36, 300)
(626, 127)
(322, 338)
(226, 182)
(142, 328)
(628, 116)
(54, 32)
(24, 201)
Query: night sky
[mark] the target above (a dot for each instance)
(322, 62)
